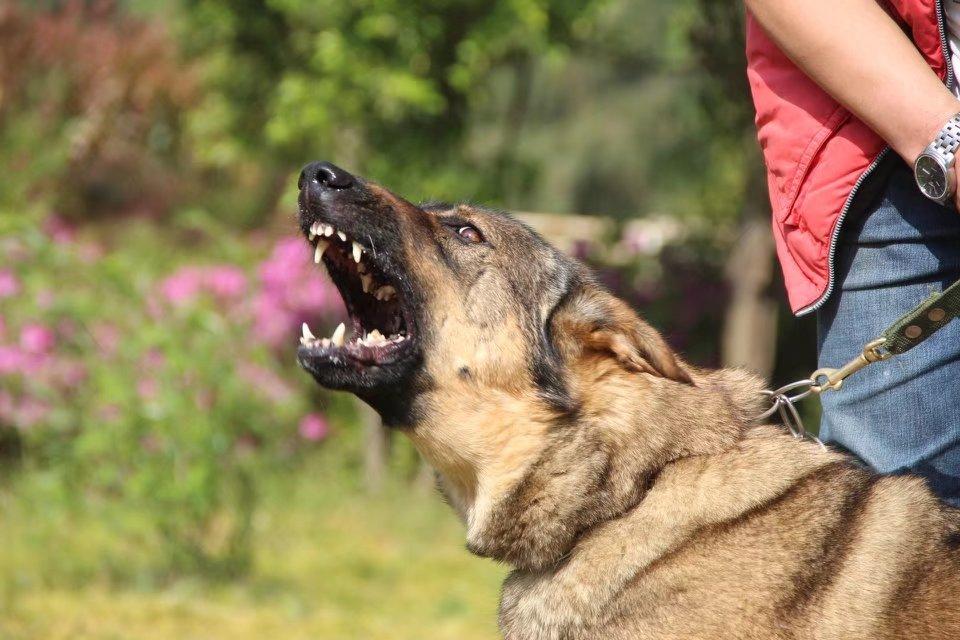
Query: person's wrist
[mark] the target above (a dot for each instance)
(933, 123)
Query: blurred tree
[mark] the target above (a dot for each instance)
(383, 86)
(718, 48)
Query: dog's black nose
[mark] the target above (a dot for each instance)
(326, 174)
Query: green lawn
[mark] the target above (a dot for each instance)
(330, 563)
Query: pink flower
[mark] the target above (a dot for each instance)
(314, 427)
(45, 298)
(265, 382)
(223, 281)
(11, 360)
(226, 281)
(107, 338)
(30, 412)
(58, 229)
(182, 287)
(147, 388)
(9, 285)
(36, 338)
(153, 359)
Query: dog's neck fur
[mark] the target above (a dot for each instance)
(527, 493)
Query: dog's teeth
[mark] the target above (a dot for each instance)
(321, 247)
(366, 280)
(338, 333)
(361, 267)
(328, 230)
(325, 342)
(385, 292)
(342, 235)
(375, 337)
(306, 332)
(357, 252)
(314, 230)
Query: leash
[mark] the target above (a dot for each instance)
(908, 331)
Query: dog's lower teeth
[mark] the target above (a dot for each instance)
(338, 334)
(307, 334)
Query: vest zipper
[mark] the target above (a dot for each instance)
(835, 236)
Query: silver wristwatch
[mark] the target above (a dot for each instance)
(934, 170)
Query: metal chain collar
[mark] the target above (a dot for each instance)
(825, 379)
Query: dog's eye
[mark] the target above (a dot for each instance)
(470, 234)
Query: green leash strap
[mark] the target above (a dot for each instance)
(923, 321)
(908, 331)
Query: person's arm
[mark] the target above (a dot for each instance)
(859, 55)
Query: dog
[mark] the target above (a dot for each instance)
(635, 496)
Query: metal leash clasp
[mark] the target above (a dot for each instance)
(832, 379)
(783, 403)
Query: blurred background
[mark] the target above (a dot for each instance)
(166, 470)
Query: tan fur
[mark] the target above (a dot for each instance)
(632, 493)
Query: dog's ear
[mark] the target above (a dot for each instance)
(598, 322)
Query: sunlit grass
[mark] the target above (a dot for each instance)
(330, 563)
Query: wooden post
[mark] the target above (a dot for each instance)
(750, 327)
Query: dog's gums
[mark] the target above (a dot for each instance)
(379, 324)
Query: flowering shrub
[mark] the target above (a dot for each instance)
(91, 108)
(171, 387)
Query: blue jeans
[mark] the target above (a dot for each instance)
(901, 415)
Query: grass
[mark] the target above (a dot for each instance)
(330, 563)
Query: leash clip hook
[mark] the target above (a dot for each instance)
(827, 379)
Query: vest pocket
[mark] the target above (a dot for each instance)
(807, 160)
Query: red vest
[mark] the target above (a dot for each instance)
(817, 153)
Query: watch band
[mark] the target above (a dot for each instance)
(948, 140)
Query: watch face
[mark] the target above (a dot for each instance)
(931, 177)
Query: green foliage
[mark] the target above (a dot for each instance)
(383, 86)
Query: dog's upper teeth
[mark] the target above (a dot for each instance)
(357, 252)
(328, 230)
(314, 230)
(338, 333)
(342, 235)
(321, 247)
(366, 280)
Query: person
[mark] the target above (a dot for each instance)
(857, 104)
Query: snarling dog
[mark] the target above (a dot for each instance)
(633, 494)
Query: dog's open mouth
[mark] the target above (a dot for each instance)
(380, 328)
